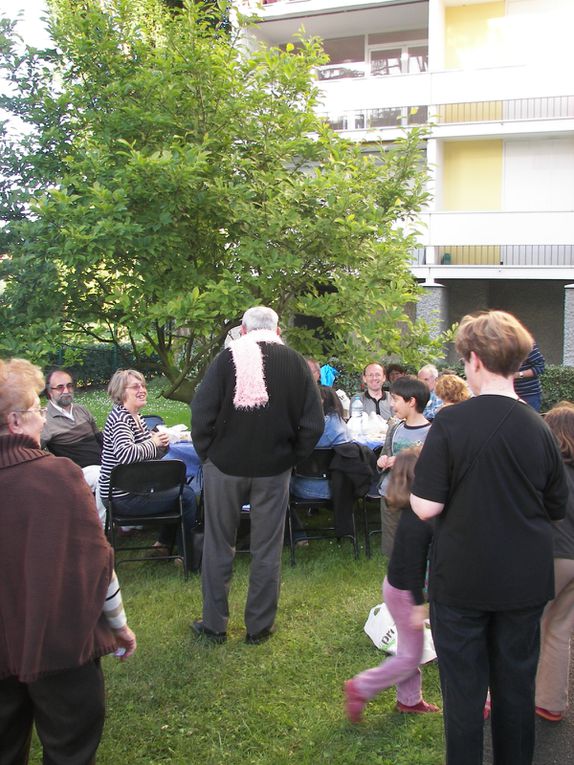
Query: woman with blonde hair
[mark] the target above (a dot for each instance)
(451, 389)
(127, 439)
(60, 602)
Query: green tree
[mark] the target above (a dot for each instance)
(170, 177)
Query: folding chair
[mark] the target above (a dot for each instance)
(150, 479)
(315, 466)
(371, 500)
(151, 420)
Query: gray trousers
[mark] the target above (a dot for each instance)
(224, 495)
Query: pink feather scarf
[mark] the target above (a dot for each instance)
(250, 387)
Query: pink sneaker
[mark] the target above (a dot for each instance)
(422, 708)
(354, 702)
(546, 714)
(487, 707)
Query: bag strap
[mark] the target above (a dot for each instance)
(481, 450)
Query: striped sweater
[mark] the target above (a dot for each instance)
(126, 439)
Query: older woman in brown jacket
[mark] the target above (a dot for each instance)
(60, 605)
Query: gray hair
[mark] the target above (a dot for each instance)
(259, 317)
(431, 369)
(119, 383)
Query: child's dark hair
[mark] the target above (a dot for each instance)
(410, 387)
(331, 402)
(560, 420)
(402, 477)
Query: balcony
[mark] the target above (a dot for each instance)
(550, 110)
(537, 255)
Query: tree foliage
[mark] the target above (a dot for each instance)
(171, 176)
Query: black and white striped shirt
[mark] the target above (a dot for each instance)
(126, 439)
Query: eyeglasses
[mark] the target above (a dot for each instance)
(61, 388)
(37, 410)
(136, 386)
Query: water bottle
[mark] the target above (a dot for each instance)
(356, 409)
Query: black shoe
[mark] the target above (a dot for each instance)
(259, 637)
(201, 630)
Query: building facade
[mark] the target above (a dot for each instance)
(494, 81)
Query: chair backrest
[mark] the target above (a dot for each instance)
(148, 477)
(151, 420)
(316, 465)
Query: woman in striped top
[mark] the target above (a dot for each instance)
(127, 439)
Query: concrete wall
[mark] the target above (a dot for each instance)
(539, 305)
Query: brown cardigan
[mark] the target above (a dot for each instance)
(55, 564)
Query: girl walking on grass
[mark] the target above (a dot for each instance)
(403, 594)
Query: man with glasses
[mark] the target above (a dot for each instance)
(70, 430)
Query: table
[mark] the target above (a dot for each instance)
(185, 451)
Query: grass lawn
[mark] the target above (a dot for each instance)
(179, 700)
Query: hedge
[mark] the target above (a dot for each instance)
(93, 365)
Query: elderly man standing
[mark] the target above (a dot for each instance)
(256, 413)
(429, 375)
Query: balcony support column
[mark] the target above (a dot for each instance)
(432, 306)
(568, 349)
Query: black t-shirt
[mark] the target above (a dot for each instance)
(408, 563)
(492, 548)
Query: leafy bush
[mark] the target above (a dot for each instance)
(557, 385)
(95, 364)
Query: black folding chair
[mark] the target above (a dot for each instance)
(151, 479)
(371, 501)
(152, 420)
(316, 465)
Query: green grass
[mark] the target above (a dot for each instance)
(181, 701)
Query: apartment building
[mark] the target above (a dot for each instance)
(496, 83)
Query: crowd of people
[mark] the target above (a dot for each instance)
(474, 485)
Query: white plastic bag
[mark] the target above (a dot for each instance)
(381, 628)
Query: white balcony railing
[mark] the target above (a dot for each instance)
(533, 255)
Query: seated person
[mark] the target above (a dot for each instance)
(452, 389)
(394, 371)
(410, 396)
(127, 439)
(429, 375)
(374, 398)
(71, 431)
(315, 368)
(335, 433)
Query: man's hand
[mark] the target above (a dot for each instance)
(418, 617)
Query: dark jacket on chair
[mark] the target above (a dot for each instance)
(353, 469)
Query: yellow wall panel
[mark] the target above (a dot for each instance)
(474, 35)
(472, 175)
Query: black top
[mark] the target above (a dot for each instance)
(492, 548)
(263, 441)
(408, 563)
(564, 530)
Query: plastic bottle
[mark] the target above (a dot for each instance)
(356, 409)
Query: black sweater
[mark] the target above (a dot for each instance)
(264, 441)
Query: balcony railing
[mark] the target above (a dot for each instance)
(511, 110)
(498, 255)
(385, 117)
